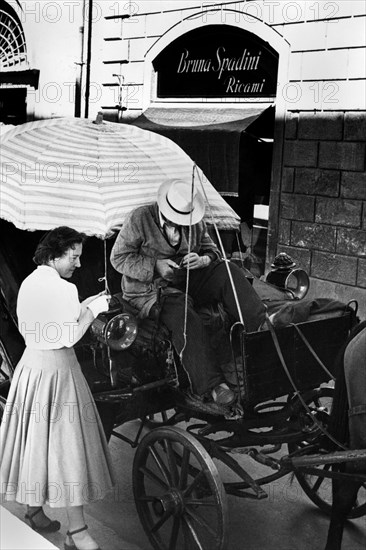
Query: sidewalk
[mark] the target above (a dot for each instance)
(17, 535)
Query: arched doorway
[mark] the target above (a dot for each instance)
(236, 146)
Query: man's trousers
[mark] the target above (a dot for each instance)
(208, 285)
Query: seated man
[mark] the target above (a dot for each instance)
(152, 252)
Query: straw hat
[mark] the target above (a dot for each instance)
(175, 202)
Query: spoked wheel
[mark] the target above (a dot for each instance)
(180, 498)
(317, 488)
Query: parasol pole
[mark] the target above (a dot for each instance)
(106, 287)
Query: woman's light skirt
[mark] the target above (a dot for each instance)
(52, 446)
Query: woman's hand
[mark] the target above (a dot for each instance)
(90, 309)
(87, 301)
(195, 261)
(99, 304)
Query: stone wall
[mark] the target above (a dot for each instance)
(323, 200)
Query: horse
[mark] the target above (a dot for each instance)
(348, 425)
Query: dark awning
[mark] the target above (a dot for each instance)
(211, 137)
(28, 77)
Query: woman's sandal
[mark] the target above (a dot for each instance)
(70, 534)
(51, 527)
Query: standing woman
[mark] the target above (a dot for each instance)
(53, 448)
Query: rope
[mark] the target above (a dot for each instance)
(187, 279)
(222, 250)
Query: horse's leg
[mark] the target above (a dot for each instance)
(345, 492)
(344, 497)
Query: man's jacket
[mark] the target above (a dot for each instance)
(140, 243)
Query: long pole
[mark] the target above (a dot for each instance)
(88, 58)
(79, 77)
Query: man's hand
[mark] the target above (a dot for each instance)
(195, 261)
(166, 268)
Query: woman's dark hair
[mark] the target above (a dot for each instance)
(56, 242)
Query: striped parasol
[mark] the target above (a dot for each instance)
(71, 171)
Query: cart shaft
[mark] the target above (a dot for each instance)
(330, 458)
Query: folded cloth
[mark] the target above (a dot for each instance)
(282, 314)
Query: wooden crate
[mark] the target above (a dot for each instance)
(264, 376)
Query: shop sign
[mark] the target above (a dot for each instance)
(217, 61)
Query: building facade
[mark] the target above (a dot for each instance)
(104, 56)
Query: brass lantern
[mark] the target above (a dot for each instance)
(286, 276)
(118, 332)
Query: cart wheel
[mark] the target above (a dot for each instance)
(319, 489)
(180, 498)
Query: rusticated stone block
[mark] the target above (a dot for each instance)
(334, 267)
(317, 182)
(301, 153)
(338, 212)
(342, 155)
(313, 235)
(297, 207)
(361, 273)
(322, 126)
(301, 256)
(351, 241)
(291, 126)
(353, 185)
(355, 126)
(288, 180)
(284, 232)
